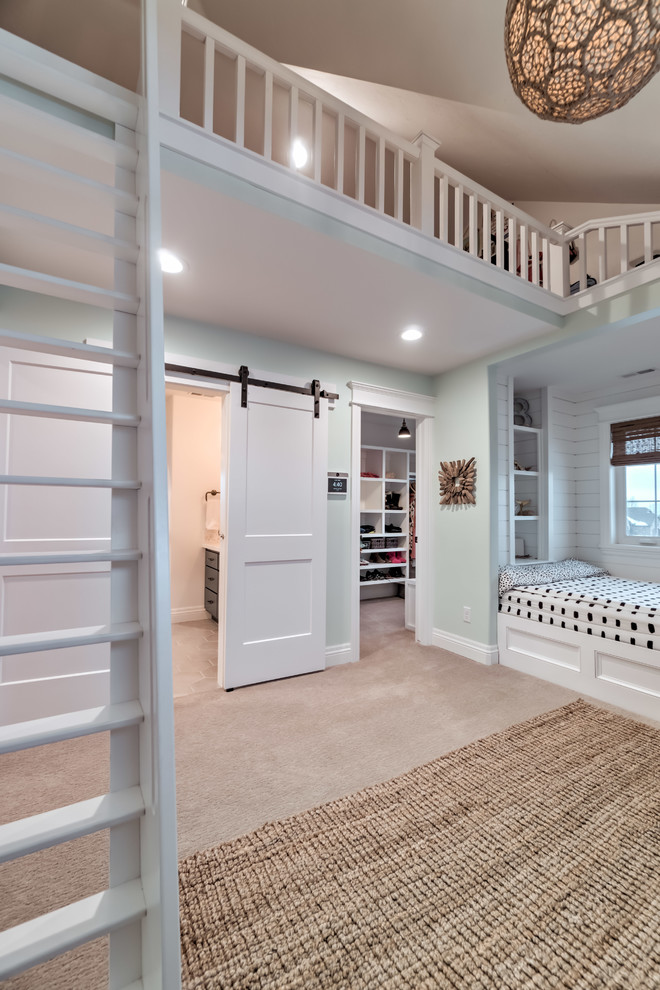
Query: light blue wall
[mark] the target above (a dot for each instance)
(200, 341)
(464, 534)
(31, 313)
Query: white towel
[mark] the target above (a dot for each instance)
(213, 512)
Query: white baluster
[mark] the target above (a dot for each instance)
(380, 175)
(623, 244)
(209, 71)
(444, 209)
(472, 223)
(361, 162)
(602, 254)
(293, 119)
(458, 216)
(582, 262)
(513, 244)
(341, 130)
(499, 238)
(398, 184)
(268, 115)
(318, 134)
(240, 100)
(534, 250)
(524, 253)
(648, 243)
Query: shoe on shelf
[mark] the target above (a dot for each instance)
(364, 562)
(396, 572)
(391, 528)
(392, 501)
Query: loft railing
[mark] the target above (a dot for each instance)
(234, 91)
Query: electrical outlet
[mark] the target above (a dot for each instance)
(467, 613)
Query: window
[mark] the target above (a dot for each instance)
(637, 496)
(635, 460)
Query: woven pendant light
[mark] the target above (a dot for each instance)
(574, 60)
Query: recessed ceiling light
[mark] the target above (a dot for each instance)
(169, 262)
(299, 154)
(411, 333)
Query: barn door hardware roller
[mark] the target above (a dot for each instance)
(243, 377)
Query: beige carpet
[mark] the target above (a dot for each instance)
(530, 859)
(259, 754)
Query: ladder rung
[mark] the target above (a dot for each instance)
(29, 835)
(59, 639)
(77, 137)
(15, 164)
(17, 408)
(33, 479)
(69, 348)
(64, 288)
(52, 934)
(70, 557)
(26, 222)
(55, 728)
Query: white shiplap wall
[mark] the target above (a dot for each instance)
(561, 439)
(644, 565)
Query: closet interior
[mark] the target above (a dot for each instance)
(387, 512)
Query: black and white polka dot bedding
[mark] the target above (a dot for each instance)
(607, 607)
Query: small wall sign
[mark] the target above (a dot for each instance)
(337, 483)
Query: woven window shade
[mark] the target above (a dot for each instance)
(636, 441)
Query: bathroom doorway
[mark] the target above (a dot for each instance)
(194, 450)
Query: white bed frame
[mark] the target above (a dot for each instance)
(618, 673)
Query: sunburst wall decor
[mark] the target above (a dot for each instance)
(458, 482)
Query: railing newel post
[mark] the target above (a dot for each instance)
(423, 184)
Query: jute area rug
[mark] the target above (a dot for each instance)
(527, 859)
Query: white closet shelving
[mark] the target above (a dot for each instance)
(384, 486)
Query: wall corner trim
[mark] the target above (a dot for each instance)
(469, 648)
(341, 653)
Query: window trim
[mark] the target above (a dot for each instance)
(612, 479)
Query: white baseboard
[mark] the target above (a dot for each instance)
(190, 614)
(342, 653)
(479, 652)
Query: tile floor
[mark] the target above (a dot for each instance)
(195, 656)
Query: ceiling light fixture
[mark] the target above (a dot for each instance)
(169, 262)
(411, 333)
(574, 60)
(404, 432)
(299, 154)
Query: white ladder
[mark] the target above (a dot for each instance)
(139, 909)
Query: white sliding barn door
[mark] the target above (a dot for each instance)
(275, 537)
(43, 519)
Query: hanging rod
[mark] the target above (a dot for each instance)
(244, 379)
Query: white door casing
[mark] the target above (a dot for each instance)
(275, 536)
(411, 405)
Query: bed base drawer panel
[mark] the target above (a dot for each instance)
(644, 677)
(530, 644)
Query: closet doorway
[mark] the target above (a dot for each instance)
(194, 451)
(391, 487)
(387, 522)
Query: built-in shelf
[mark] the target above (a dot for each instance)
(527, 476)
(384, 482)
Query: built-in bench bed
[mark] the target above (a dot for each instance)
(572, 623)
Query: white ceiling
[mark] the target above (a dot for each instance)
(261, 273)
